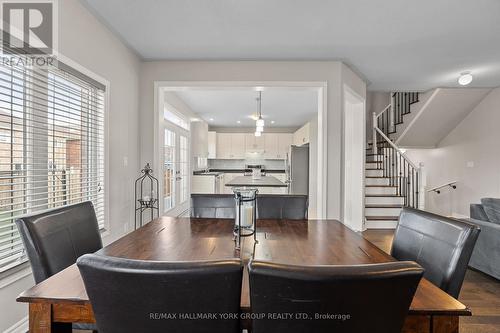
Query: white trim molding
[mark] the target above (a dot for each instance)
(22, 326)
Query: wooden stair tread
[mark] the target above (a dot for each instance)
(373, 162)
(377, 177)
(383, 206)
(384, 195)
(381, 186)
(382, 218)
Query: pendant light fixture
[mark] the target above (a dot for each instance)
(259, 124)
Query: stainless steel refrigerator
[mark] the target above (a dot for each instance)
(298, 170)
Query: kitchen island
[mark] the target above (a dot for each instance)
(248, 181)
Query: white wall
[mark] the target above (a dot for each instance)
(476, 139)
(86, 41)
(352, 83)
(318, 71)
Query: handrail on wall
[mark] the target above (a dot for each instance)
(436, 189)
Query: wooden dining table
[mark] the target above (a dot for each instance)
(61, 299)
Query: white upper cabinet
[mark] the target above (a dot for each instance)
(301, 136)
(254, 144)
(224, 145)
(212, 144)
(285, 140)
(240, 145)
(270, 145)
(199, 139)
(230, 145)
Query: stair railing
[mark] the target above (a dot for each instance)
(396, 166)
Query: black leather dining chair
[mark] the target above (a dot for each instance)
(278, 206)
(221, 206)
(371, 298)
(442, 245)
(54, 239)
(131, 296)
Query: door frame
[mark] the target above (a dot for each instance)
(160, 87)
(353, 196)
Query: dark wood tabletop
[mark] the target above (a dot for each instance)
(313, 242)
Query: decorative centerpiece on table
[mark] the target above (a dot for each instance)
(146, 196)
(246, 214)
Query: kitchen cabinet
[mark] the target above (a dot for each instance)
(203, 184)
(199, 139)
(285, 140)
(301, 136)
(270, 145)
(277, 145)
(212, 144)
(230, 145)
(254, 144)
(238, 145)
(224, 145)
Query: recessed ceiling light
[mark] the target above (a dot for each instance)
(239, 122)
(211, 119)
(465, 78)
(272, 121)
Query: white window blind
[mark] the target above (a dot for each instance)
(51, 147)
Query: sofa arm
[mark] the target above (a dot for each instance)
(477, 212)
(486, 254)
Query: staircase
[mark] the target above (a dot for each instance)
(392, 181)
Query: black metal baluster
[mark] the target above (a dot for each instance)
(417, 189)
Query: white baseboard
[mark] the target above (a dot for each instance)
(22, 326)
(381, 224)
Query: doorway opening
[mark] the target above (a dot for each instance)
(167, 153)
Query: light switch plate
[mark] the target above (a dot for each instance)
(470, 164)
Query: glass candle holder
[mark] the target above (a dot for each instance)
(246, 203)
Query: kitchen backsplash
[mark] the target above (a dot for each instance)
(240, 164)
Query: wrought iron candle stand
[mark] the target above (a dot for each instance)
(246, 207)
(146, 195)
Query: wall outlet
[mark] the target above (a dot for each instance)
(125, 161)
(470, 164)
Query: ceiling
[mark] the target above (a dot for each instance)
(225, 107)
(393, 44)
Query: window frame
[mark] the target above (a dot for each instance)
(23, 269)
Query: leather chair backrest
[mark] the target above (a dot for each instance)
(443, 246)
(54, 239)
(289, 207)
(130, 296)
(222, 206)
(367, 298)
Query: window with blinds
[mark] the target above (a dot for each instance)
(51, 147)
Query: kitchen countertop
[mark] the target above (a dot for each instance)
(216, 172)
(209, 173)
(264, 181)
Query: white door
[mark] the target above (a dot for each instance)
(175, 170)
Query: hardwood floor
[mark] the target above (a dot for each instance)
(480, 292)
